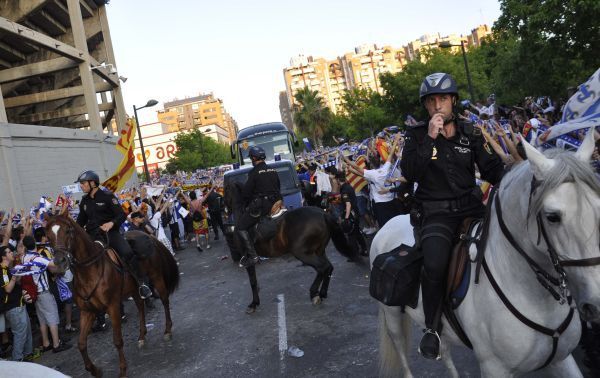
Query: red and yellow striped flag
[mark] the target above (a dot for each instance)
(357, 182)
(125, 145)
(382, 148)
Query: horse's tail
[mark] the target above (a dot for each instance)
(339, 239)
(169, 268)
(393, 362)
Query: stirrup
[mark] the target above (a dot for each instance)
(246, 261)
(431, 331)
(140, 291)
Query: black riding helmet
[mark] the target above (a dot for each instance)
(438, 83)
(88, 176)
(257, 153)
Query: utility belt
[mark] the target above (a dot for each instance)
(260, 205)
(428, 208)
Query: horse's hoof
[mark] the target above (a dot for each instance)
(167, 336)
(316, 300)
(250, 310)
(141, 343)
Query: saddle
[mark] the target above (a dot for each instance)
(459, 271)
(396, 275)
(277, 209)
(266, 228)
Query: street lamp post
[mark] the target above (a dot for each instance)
(137, 122)
(446, 44)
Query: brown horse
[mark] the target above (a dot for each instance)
(101, 282)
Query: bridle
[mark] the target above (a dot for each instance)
(67, 251)
(74, 263)
(548, 280)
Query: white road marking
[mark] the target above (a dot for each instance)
(282, 326)
(55, 229)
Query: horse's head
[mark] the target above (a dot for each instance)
(60, 231)
(565, 201)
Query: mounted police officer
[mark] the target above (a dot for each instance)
(260, 192)
(440, 156)
(101, 216)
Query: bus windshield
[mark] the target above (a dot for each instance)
(276, 143)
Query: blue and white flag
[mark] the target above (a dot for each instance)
(585, 101)
(28, 269)
(307, 144)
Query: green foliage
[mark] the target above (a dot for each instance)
(311, 115)
(544, 47)
(195, 150)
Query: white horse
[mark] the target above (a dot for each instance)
(565, 201)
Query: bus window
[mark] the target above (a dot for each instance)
(277, 143)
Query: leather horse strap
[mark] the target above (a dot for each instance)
(555, 334)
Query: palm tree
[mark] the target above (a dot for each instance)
(311, 115)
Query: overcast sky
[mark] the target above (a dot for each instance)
(237, 49)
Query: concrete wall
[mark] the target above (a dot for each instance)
(39, 160)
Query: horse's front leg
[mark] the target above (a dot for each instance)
(114, 312)
(86, 319)
(566, 368)
(254, 285)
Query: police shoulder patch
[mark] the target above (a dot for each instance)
(115, 201)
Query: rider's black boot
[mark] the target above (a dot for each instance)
(140, 277)
(433, 295)
(251, 257)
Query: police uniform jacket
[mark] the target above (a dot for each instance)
(348, 195)
(445, 168)
(103, 208)
(262, 188)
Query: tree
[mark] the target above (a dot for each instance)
(311, 115)
(196, 150)
(546, 46)
(365, 113)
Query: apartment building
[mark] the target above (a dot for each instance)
(332, 78)
(199, 112)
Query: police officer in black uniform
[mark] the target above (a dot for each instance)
(260, 192)
(440, 156)
(101, 216)
(350, 219)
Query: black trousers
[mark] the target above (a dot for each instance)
(217, 221)
(119, 244)
(355, 237)
(246, 222)
(437, 234)
(384, 211)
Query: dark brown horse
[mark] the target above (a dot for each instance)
(101, 283)
(303, 232)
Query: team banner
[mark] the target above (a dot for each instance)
(125, 145)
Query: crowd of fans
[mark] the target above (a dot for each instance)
(178, 209)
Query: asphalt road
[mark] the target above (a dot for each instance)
(213, 337)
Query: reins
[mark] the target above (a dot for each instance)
(73, 263)
(546, 279)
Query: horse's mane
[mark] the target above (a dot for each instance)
(567, 168)
(80, 231)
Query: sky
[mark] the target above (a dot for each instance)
(237, 49)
